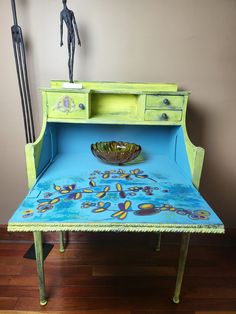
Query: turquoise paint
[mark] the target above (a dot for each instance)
(165, 163)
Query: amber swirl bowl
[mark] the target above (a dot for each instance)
(115, 152)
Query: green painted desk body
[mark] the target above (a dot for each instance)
(70, 190)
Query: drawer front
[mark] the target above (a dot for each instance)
(163, 115)
(67, 105)
(164, 102)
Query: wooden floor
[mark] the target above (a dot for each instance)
(110, 273)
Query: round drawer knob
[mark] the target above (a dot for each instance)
(166, 101)
(82, 106)
(164, 116)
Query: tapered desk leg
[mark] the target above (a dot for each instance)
(62, 241)
(158, 243)
(39, 261)
(181, 266)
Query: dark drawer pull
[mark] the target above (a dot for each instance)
(82, 106)
(166, 101)
(164, 116)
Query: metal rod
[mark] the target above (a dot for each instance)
(182, 261)
(13, 5)
(22, 74)
(21, 93)
(31, 120)
(39, 262)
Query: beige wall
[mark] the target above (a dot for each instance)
(191, 42)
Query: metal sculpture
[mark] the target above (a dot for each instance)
(21, 68)
(68, 17)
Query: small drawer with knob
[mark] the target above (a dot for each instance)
(164, 102)
(67, 105)
(170, 116)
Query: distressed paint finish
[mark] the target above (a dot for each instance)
(33, 150)
(165, 102)
(121, 86)
(170, 116)
(147, 95)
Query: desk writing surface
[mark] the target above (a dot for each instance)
(79, 192)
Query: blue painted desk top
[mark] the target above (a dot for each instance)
(78, 192)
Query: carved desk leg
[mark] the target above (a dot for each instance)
(62, 241)
(158, 243)
(39, 261)
(182, 260)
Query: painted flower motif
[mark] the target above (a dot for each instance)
(103, 193)
(123, 210)
(101, 207)
(167, 207)
(44, 207)
(135, 188)
(27, 213)
(46, 204)
(119, 189)
(74, 196)
(65, 189)
(183, 212)
(199, 215)
(87, 204)
(148, 190)
(147, 209)
(138, 173)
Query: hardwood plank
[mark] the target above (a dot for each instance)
(65, 312)
(216, 312)
(126, 303)
(7, 303)
(133, 271)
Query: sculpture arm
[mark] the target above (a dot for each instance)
(61, 29)
(76, 29)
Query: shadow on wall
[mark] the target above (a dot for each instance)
(217, 184)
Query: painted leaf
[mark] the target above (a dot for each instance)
(120, 212)
(57, 187)
(77, 196)
(55, 200)
(43, 201)
(119, 187)
(65, 191)
(123, 216)
(92, 183)
(101, 194)
(107, 188)
(127, 205)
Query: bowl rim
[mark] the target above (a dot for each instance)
(137, 147)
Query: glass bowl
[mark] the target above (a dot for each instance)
(115, 152)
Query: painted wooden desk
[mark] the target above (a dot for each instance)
(70, 190)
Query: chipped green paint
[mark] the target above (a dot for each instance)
(115, 103)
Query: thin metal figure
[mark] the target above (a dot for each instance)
(69, 18)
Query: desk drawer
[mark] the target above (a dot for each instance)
(163, 115)
(164, 102)
(67, 105)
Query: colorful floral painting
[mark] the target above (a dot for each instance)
(116, 195)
